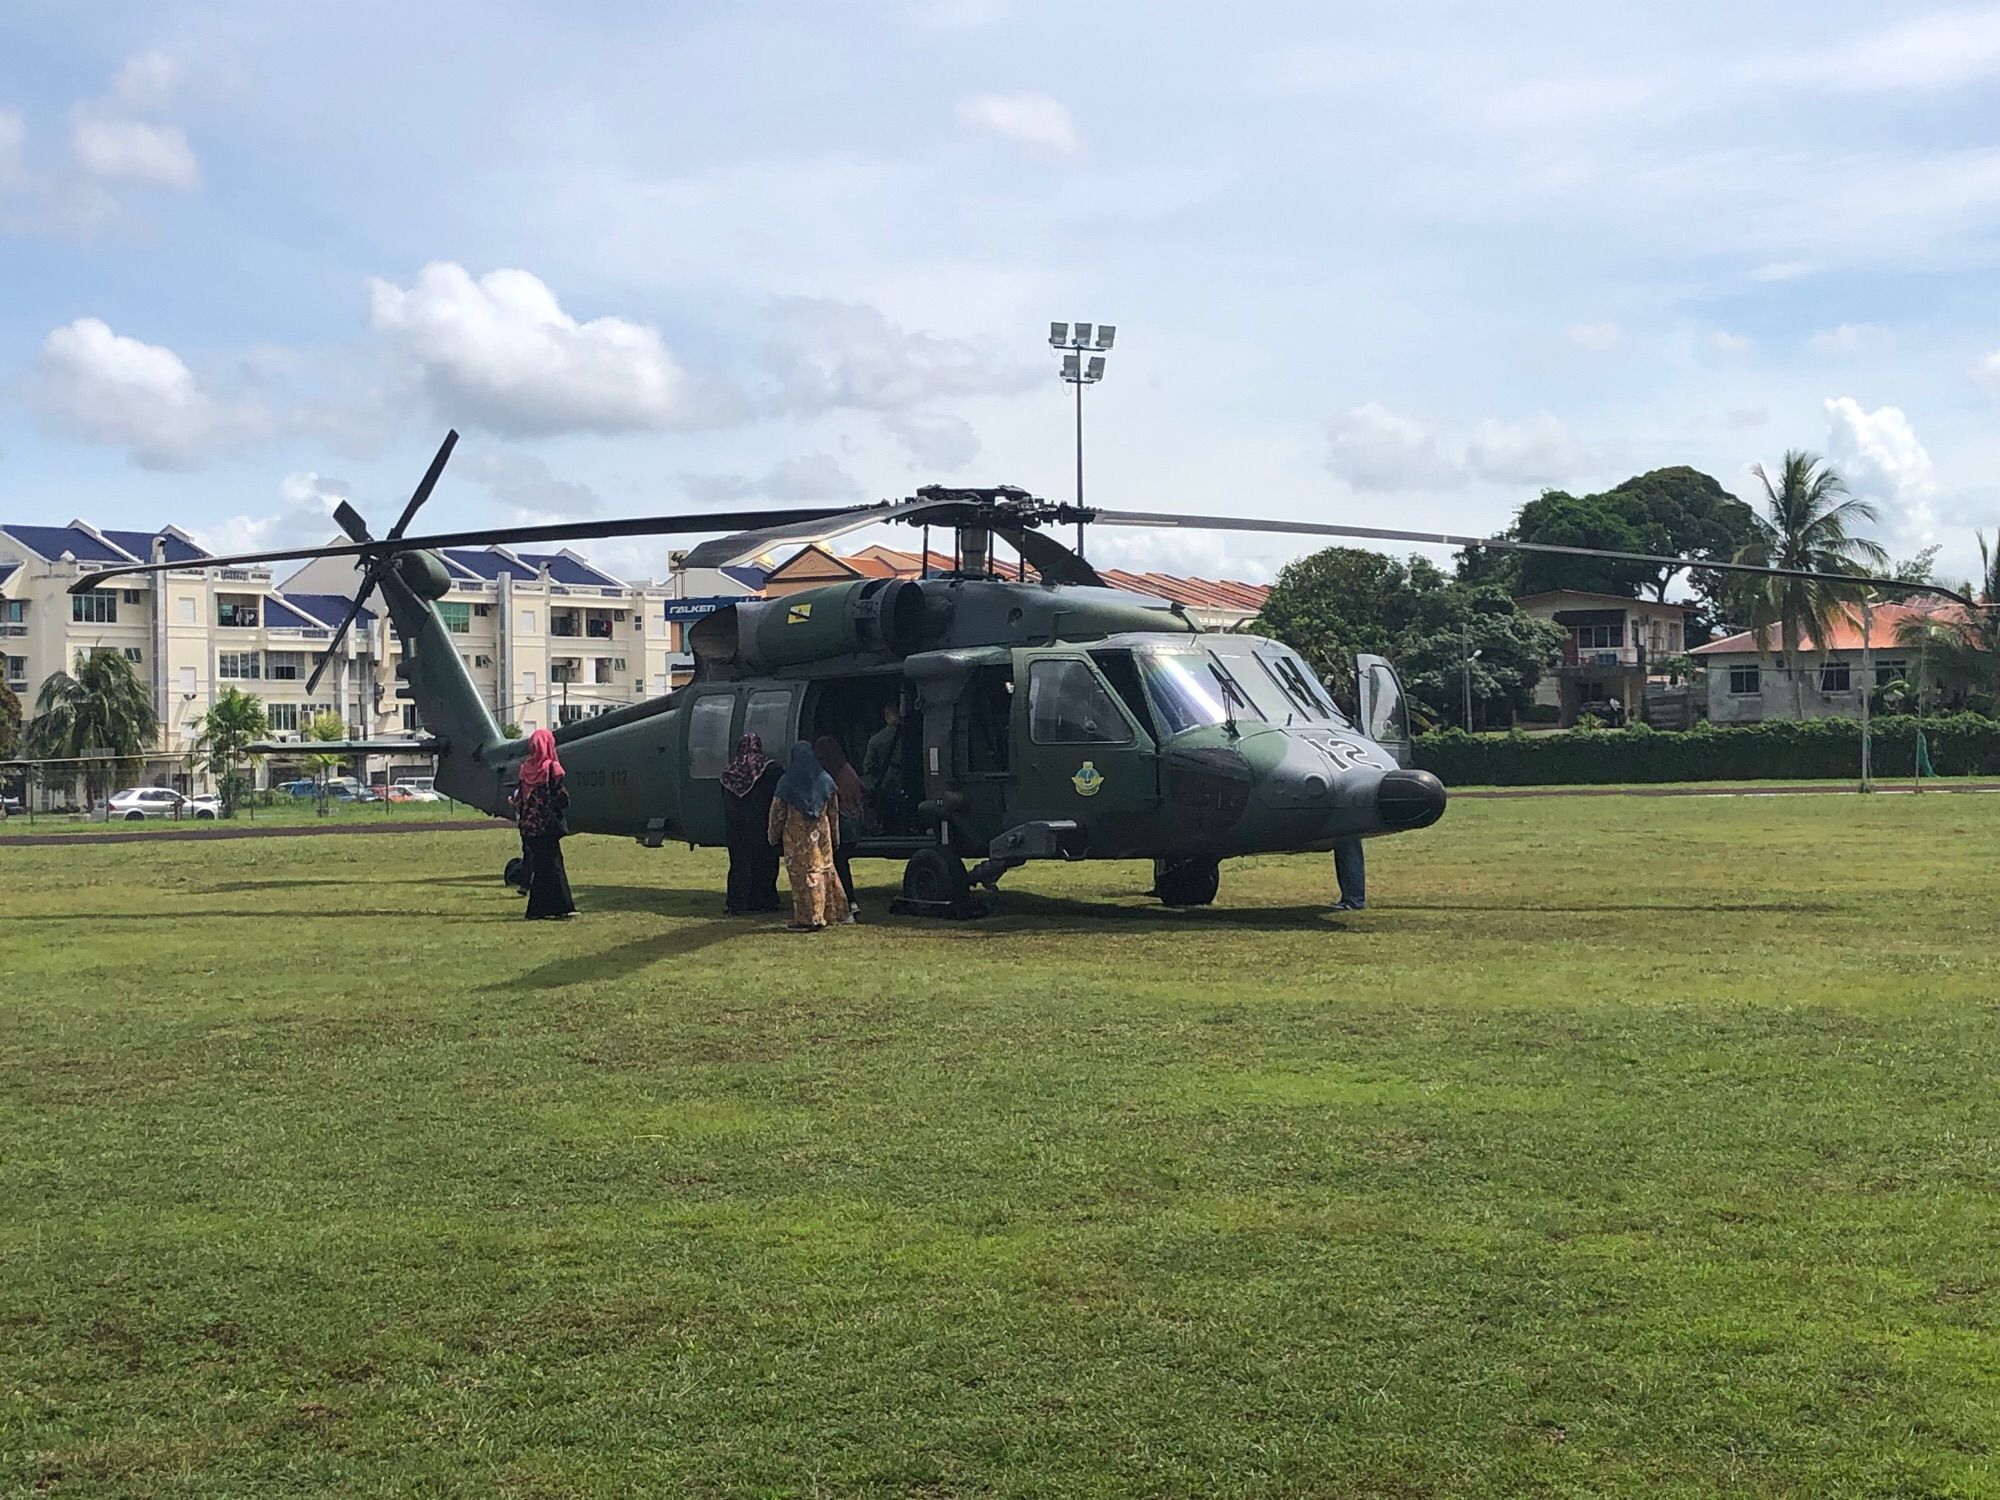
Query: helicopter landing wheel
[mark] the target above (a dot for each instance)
(1186, 882)
(935, 885)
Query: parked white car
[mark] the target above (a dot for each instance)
(136, 804)
(419, 789)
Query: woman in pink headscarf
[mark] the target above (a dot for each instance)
(540, 805)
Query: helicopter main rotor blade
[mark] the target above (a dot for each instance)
(562, 531)
(728, 549)
(424, 486)
(1170, 520)
(353, 613)
(1052, 561)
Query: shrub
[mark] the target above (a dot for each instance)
(1540, 713)
(1780, 750)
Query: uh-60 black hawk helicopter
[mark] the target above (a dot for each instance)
(1052, 719)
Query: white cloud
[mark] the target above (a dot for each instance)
(114, 148)
(1373, 448)
(828, 354)
(1848, 338)
(1937, 51)
(1540, 450)
(304, 518)
(1986, 371)
(1032, 120)
(501, 352)
(106, 388)
(1878, 454)
(958, 15)
(937, 442)
(1730, 344)
(148, 81)
(13, 137)
(526, 485)
(1598, 338)
(811, 478)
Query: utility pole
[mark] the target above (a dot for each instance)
(1867, 683)
(1074, 342)
(1468, 656)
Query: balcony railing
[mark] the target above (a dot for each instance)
(1585, 657)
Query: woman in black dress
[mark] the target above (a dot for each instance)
(543, 799)
(746, 807)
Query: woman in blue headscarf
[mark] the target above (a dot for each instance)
(805, 822)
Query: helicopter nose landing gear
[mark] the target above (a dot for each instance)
(935, 885)
(1186, 882)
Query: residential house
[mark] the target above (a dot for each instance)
(1747, 683)
(1613, 646)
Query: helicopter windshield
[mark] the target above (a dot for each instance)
(1187, 691)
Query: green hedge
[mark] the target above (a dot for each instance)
(1781, 750)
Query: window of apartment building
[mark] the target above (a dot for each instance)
(561, 672)
(482, 661)
(1599, 637)
(528, 685)
(187, 682)
(1674, 636)
(569, 713)
(1887, 672)
(98, 607)
(601, 669)
(482, 610)
(457, 617)
(13, 611)
(412, 720)
(1834, 677)
(134, 655)
(237, 614)
(242, 665)
(1744, 681)
(17, 671)
(135, 596)
(527, 622)
(285, 666)
(564, 622)
(187, 609)
(283, 717)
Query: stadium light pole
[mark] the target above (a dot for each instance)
(1082, 347)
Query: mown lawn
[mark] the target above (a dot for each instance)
(1628, 1146)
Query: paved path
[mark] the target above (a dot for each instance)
(1723, 789)
(244, 830)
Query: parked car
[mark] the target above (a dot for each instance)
(416, 789)
(351, 791)
(138, 803)
(301, 789)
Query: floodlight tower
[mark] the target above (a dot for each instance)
(1074, 343)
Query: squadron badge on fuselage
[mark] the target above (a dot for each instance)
(1088, 780)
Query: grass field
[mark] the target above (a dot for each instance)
(1626, 1146)
(287, 814)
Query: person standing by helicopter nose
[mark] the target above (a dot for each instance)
(805, 821)
(1350, 868)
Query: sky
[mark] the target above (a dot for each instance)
(1378, 263)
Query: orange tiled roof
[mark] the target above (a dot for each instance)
(1845, 635)
(1194, 593)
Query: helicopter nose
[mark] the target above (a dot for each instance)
(1409, 799)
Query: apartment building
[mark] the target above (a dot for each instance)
(189, 633)
(548, 637)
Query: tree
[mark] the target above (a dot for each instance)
(226, 732)
(1685, 512)
(1343, 601)
(99, 705)
(1960, 649)
(10, 722)
(1555, 518)
(1807, 527)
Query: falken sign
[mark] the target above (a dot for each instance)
(693, 609)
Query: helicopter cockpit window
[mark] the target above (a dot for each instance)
(1300, 686)
(1068, 705)
(1187, 693)
(708, 735)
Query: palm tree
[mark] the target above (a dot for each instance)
(1807, 527)
(99, 706)
(226, 730)
(1962, 648)
(10, 721)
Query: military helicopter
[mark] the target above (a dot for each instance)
(1054, 719)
